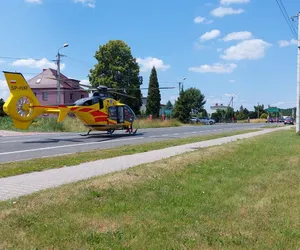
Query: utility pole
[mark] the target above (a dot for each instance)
(298, 80)
(58, 72)
(179, 85)
(258, 110)
(58, 78)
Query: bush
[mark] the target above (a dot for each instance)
(263, 116)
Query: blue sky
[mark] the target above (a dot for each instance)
(239, 48)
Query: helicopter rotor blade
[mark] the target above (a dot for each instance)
(70, 90)
(87, 86)
(116, 89)
(114, 92)
(160, 88)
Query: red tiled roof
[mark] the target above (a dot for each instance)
(47, 79)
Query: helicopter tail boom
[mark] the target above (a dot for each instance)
(22, 105)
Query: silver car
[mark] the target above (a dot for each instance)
(206, 120)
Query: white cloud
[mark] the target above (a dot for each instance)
(250, 49)
(148, 63)
(4, 92)
(285, 43)
(37, 64)
(199, 46)
(200, 19)
(232, 81)
(231, 95)
(277, 104)
(210, 35)
(242, 35)
(222, 11)
(33, 1)
(89, 3)
(217, 68)
(85, 82)
(2, 61)
(228, 2)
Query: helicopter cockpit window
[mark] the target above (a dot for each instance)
(120, 114)
(112, 113)
(129, 114)
(87, 101)
(84, 102)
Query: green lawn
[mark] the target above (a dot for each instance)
(241, 195)
(22, 167)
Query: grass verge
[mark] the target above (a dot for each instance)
(22, 167)
(242, 195)
(253, 121)
(73, 124)
(156, 123)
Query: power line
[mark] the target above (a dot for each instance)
(19, 58)
(79, 61)
(286, 14)
(286, 17)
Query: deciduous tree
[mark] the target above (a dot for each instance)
(2, 113)
(116, 68)
(190, 100)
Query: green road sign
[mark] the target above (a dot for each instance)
(273, 110)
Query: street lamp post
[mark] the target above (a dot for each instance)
(58, 72)
(179, 84)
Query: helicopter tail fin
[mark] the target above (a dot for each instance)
(21, 105)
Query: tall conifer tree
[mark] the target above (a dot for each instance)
(154, 98)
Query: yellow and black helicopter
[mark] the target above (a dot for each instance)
(98, 112)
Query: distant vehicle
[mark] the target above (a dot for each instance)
(206, 120)
(272, 119)
(194, 120)
(281, 119)
(289, 120)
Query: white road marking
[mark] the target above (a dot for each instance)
(176, 134)
(194, 132)
(67, 146)
(165, 135)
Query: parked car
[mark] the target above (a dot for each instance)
(272, 119)
(194, 120)
(206, 120)
(289, 120)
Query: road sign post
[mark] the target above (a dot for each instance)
(273, 110)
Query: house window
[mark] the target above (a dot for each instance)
(71, 96)
(35, 93)
(45, 96)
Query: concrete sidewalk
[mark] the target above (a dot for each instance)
(16, 186)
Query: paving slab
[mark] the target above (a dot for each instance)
(16, 186)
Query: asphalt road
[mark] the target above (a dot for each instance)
(16, 148)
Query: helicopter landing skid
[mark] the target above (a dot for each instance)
(132, 132)
(110, 132)
(86, 133)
